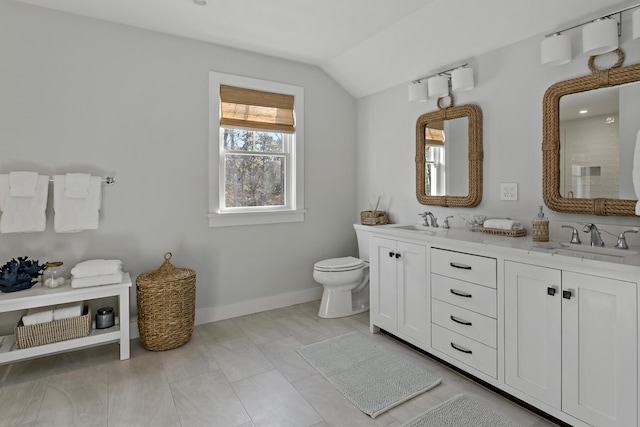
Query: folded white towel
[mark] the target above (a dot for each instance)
(106, 279)
(503, 224)
(96, 267)
(67, 311)
(23, 214)
(77, 185)
(76, 214)
(38, 315)
(635, 171)
(23, 184)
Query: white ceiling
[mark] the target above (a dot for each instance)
(365, 45)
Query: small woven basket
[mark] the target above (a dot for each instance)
(54, 331)
(374, 218)
(166, 300)
(501, 232)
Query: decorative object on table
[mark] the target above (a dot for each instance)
(504, 227)
(166, 300)
(475, 222)
(374, 217)
(96, 272)
(53, 331)
(105, 318)
(54, 275)
(23, 202)
(540, 231)
(20, 274)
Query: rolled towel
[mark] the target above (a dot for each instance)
(503, 224)
(105, 279)
(67, 311)
(96, 267)
(38, 315)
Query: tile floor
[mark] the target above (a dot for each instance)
(237, 372)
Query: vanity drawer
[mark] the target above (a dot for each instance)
(472, 268)
(464, 294)
(470, 352)
(468, 323)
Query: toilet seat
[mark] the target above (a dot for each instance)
(348, 263)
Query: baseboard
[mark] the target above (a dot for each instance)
(213, 314)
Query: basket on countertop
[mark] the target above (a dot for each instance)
(166, 300)
(501, 232)
(54, 331)
(374, 218)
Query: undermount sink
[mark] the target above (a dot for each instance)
(419, 228)
(586, 252)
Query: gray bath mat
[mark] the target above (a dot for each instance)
(461, 411)
(372, 378)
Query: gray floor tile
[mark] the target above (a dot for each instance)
(187, 361)
(20, 402)
(282, 353)
(239, 358)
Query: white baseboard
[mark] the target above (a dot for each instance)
(213, 314)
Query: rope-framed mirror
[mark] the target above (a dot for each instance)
(434, 187)
(552, 147)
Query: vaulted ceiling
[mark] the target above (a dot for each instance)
(365, 45)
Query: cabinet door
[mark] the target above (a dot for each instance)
(599, 350)
(382, 284)
(412, 294)
(532, 331)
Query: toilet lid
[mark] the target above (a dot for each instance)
(339, 264)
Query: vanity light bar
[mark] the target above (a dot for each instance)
(445, 72)
(609, 15)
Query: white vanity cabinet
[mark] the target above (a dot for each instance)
(398, 302)
(571, 341)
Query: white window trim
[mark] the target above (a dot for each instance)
(296, 212)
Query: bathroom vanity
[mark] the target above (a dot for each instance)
(555, 326)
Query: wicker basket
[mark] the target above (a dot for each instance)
(166, 300)
(500, 232)
(50, 332)
(374, 218)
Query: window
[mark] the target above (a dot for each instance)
(256, 151)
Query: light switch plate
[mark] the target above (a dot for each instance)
(509, 191)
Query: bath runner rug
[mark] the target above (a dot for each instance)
(461, 411)
(372, 378)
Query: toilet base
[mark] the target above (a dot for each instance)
(338, 303)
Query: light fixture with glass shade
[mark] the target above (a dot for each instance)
(462, 79)
(418, 90)
(555, 49)
(438, 86)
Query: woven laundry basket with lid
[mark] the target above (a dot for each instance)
(166, 300)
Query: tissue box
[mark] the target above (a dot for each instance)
(57, 330)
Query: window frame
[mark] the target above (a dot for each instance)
(294, 210)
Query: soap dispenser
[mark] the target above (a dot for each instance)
(540, 231)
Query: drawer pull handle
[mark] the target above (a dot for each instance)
(460, 294)
(551, 291)
(462, 322)
(460, 266)
(567, 294)
(391, 254)
(398, 255)
(461, 349)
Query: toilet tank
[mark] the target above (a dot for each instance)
(364, 239)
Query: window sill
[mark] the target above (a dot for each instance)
(254, 218)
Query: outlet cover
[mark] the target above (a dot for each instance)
(509, 191)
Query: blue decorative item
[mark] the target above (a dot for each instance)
(19, 275)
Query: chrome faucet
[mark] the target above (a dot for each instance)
(596, 239)
(446, 222)
(622, 242)
(575, 238)
(428, 217)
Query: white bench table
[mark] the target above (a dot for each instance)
(39, 297)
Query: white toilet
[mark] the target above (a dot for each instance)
(345, 280)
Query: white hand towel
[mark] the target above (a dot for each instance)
(67, 311)
(38, 315)
(23, 184)
(77, 185)
(96, 267)
(503, 224)
(635, 171)
(74, 214)
(106, 279)
(23, 214)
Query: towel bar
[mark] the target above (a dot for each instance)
(109, 180)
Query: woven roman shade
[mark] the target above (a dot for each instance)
(433, 136)
(256, 110)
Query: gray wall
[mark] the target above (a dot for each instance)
(510, 84)
(81, 95)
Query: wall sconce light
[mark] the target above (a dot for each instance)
(437, 85)
(599, 36)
